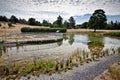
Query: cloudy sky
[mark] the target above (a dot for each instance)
(50, 9)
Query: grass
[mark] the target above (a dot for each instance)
(29, 68)
(114, 34)
(115, 72)
(6, 69)
(16, 70)
(77, 57)
(39, 64)
(119, 50)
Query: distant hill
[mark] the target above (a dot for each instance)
(85, 18)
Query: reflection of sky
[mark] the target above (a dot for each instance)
(53, 50)
(50, 9)
(110, 42)
(81, 39)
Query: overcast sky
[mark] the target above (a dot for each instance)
(50, 9)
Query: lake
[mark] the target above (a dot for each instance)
(73, 48)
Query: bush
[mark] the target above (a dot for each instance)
(10, 25)
(0, 25)
(27, 29)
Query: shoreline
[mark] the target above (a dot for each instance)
(88, 71)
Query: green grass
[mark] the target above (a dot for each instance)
(6, 69)
(29, 68)
(114, 34)
(49, 66)
(118, 50)
(39, 64)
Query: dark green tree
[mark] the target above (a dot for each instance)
(3, 18)
(45, 23)
(32, 21)
(22, 21)
(71, 22)
(66, 24)
(84, 25)
(98, 20)
(13, 19)
(59, 21)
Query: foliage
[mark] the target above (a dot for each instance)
(27, 29)
(29, 68)
(10, 25)
(13, 19)
(48, 66)
(113, 25)
(45, 23)
(98, 20)
(66, 24)
(3, 18)
(71, 22)
(31, 21)
(6, 69)
(16, 70)
(39, 64)
(58, 22)
(22, 21)
(84, 25)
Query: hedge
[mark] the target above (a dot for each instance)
(28, 29)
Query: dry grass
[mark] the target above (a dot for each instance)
(113, 73)
(16, 29)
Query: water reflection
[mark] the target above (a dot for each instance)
(91, 46)
(71, 39)
(95, 45)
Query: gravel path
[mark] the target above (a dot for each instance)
(87, 71)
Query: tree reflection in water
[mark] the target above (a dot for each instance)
(95, 45)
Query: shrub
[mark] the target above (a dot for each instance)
(10, 25)
(27, 29)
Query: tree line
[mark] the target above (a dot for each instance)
(98, 20)
(32, 21)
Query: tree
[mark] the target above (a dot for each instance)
(59, 21)
(66, 24)
(13, 19)
(31, 21)
(98, 20)
(3, 18)
(45, 23)
(84, 25)
(22, 21)
(71, 22)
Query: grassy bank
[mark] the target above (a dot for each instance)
(114, 34)
(28, 29)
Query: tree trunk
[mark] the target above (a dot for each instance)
(94, 30)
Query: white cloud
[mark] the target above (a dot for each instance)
(50, 9)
